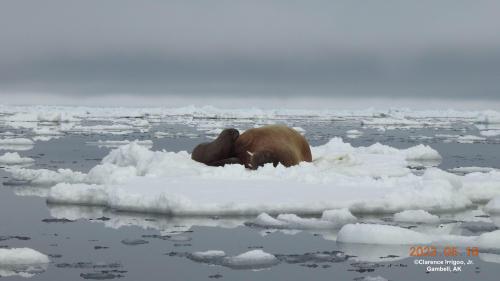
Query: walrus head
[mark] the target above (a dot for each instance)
(210, 153)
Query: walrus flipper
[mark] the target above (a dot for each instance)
(259, 158)
(232, 160)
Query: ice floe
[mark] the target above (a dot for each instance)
(254, 259)
(415, 216)
(117, 143)
(490, 133)
(17, 144)
(365, 233)
(23, 262)
(380, 234)
(134, 178)
(353, 134)
(13, 158)
(16, 141)
(330, 219)
(17, 256)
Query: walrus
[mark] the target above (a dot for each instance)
(255, 147)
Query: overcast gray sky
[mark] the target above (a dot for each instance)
(267, 49)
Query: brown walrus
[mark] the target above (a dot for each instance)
(255, 147)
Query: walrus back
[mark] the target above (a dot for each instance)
(280, 143)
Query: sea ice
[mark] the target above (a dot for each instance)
(21, 256)
(493, 207)
(254, 259)
(415, 216)
(380, 234)
(16, 141)
(13, 158)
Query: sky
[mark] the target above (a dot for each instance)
(259, 52)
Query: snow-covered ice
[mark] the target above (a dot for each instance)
(340, 176)
(254, 259)
(23, 262)
(16, 141)
(415, 216)
(117, 143)
(366, 233)
(17, 144)
(493, 207)
(13, 158)
(330, 219)
(21, 256)
(353, 134)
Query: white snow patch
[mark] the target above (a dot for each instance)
(372, 278)
(353, 134)
(255, 259)
(300, 130)
(340, 177)
(16, 141)
(467, 170)
(488, 117)
(363, 179)
(21, 256)
(380, 234)
(117, 143)
(470, 139)
(252, 259)
(339, 216)
(13, 158)
(208, 255)
(493, 207)
(415, 216)
(489, 240)
(394, 235)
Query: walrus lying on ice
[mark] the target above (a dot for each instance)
(255, 147)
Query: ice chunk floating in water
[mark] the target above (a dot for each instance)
(24, 262)
(255, 259)
(362, 179)
(13, 158)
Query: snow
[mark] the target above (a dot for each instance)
(372, 278)
(489, 240)
(116, 143)
(372, 179)
(493, 207)
(415, 216)
(470, 139)
(17, 144)
(394, 235)
(330, 219)
(490, 133)
(394, 116)
(21, 256)
(16, 141)
(208, 255)
(488, 117)
(466, 170)
(254, 259)
(339, 216)
(340, 176)
(13, 158)
(380, 234)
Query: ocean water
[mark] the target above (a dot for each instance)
(85, 242)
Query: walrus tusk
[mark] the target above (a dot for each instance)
(249, 153)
